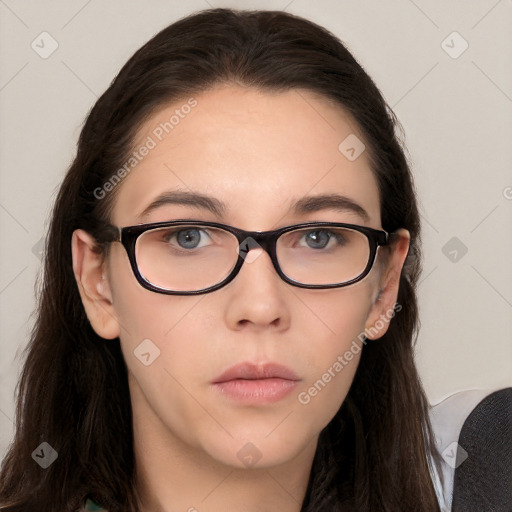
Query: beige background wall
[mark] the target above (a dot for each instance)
(455, 104)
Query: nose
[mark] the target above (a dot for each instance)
(257, 297)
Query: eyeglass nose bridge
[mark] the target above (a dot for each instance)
(249, 240)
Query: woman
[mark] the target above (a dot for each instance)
(228, 311)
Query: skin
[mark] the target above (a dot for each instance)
(257, 152)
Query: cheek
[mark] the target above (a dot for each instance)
(170, 328)
(335, 328)
(335, 317)
(164, 342)
(156, 329)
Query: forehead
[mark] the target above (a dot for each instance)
(258, 152)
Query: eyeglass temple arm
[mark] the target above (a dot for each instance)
(393, 234)
(108, 233)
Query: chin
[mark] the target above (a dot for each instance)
(259, 451)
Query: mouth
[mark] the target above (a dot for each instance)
(256, 384)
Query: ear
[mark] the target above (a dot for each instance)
(384, 305)
(89, 270)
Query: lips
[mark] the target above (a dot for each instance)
(251, 384)
(249, 371)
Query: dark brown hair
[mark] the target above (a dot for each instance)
(73, 392)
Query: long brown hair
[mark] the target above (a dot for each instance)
(73, 391)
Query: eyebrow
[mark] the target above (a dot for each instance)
(304, 205)
(183, 197)
(329, 202)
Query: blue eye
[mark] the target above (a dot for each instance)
(317, 239)
(188, 238)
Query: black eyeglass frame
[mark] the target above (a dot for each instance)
(128, 236)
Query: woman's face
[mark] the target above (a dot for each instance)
(257, 153)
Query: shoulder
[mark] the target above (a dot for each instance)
(447, 418)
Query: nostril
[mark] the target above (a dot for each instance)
(276, 322)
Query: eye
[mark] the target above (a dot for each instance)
(320, 238)
(188, 238)
(317, 239)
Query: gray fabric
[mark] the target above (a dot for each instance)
(483, 481)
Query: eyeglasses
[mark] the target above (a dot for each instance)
(189, 257)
